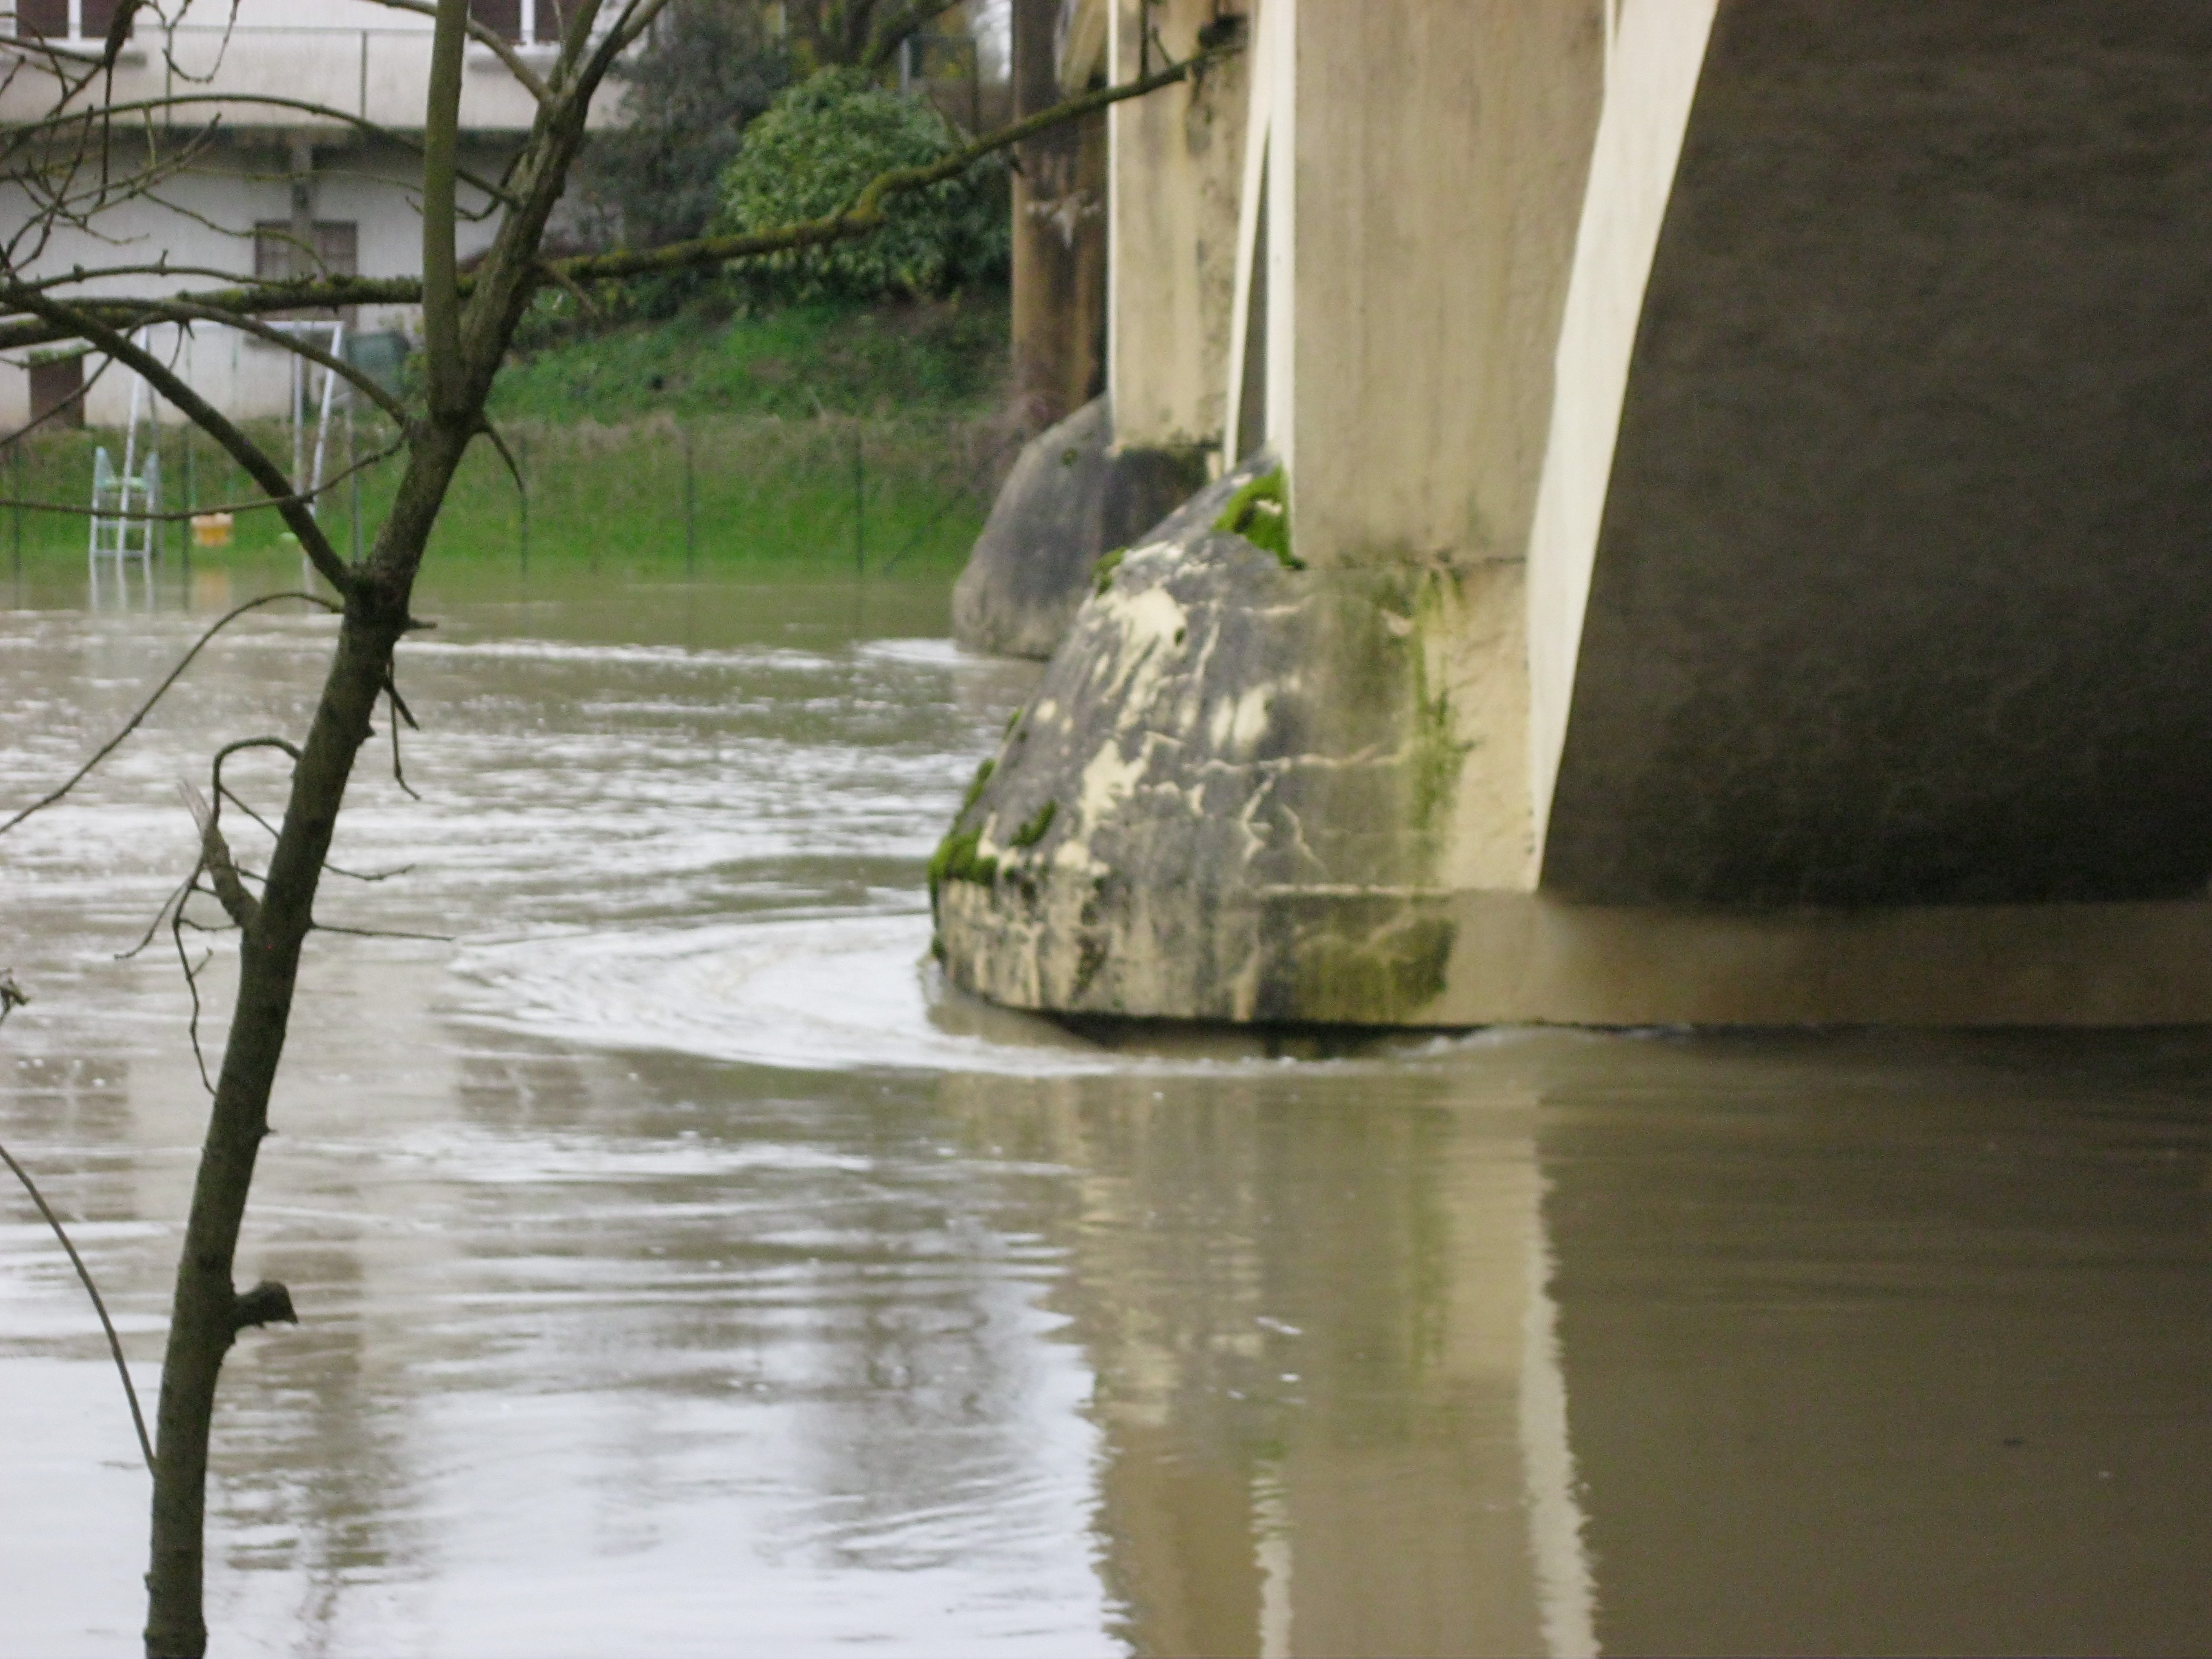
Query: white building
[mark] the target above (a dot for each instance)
(332, 167)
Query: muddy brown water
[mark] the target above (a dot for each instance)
(682, 1271)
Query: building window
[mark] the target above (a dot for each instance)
(278, 255)
(63, 19)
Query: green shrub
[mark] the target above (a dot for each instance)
(813, 152)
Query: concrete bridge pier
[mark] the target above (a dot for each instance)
(1716, 534)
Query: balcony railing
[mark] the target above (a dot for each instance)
(374, 73)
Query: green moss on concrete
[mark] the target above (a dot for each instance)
(1261, 513)
(1033, 832)
(1384, 980)
(956, 860)
(1437, 752)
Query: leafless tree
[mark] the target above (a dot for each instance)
(86, 156)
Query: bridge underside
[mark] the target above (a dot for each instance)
(1903, 586)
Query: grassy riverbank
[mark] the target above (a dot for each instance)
(826, 440)
(940, 357)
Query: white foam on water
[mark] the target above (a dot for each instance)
(834, 993)
(926, 654)
(825, 993)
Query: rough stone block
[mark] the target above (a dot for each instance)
(1071, 498)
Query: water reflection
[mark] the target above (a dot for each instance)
(1327, 1373)
(682, 1267)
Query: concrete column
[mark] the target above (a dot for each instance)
(1439, 154)
(1176, 174)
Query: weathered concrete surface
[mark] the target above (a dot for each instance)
(1172, 202)
(1901, 592)
(1420, 254)
(1071, 496)
(1232, 777)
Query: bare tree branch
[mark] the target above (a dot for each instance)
(299, 347)
(147, 707)
(8, 997)
(484, 35)
(441, 300)
(240, 906)
(400, 711)
(257, 99)
(177, 925)
(865, 214)
(160, 915)
(202, 414)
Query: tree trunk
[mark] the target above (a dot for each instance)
(1059, 237)
(208, 1313)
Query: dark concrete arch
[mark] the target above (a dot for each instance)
(1903, 592)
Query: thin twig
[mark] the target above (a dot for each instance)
(400, 712)
(222, 869)
(384, 932)
(246, 807)
(177, 924)
(160, 915)
(147, 707)
(84, 1273)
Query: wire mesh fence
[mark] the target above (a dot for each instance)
(858, 496)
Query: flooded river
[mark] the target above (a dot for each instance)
(681, 1271)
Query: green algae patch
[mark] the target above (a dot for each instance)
(956, 860)
(1384, 979)
(1261, 513)
(1101, 574)
(1033, 832)
(1437, 751)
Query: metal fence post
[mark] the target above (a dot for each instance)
(690, 505)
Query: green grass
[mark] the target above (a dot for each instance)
(834, 494)
(821, 495)
(928, 356)
(824, 438)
